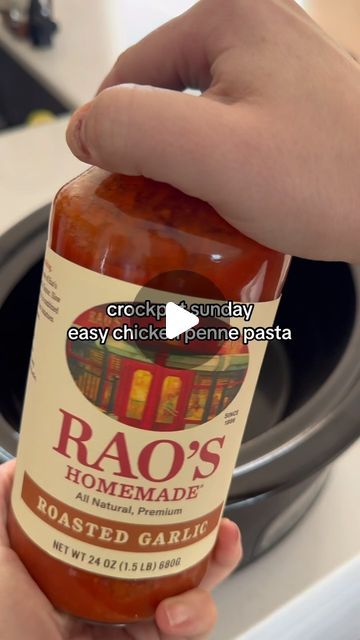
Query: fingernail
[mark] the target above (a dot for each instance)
(75, 131)
(177, 614)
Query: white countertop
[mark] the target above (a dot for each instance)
(308, 587)
(94, 32)
(38, 163)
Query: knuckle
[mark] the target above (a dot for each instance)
(236, 6)
(246, 17)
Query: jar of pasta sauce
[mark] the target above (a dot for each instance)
(126, 453)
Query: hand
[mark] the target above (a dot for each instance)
(273, 143)
(26, 613)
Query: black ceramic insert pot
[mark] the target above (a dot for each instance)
(307, 406)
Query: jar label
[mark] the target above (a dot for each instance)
(126, 454)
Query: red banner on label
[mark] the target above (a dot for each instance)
(110, 534)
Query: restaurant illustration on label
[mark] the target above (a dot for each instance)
(154, 389)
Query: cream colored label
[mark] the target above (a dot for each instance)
(125, 459)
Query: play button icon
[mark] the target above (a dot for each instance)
(183, 344)
(178, 320)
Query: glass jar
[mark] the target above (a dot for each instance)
(133, 229)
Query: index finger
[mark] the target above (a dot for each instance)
(182, 53)
(172, 57)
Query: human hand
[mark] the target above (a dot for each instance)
(26, 613)
(274, 141)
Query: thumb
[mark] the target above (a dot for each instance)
(164, 135)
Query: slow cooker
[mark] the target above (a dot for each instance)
(306, 410)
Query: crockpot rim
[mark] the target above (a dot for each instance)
(333, 394)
